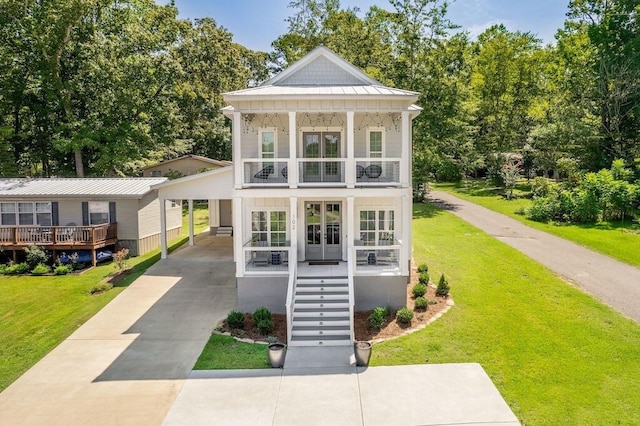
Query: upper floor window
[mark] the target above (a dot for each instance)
(98, 212)
(268, 140)
(375, 142)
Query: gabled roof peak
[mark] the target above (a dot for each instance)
(326, 64)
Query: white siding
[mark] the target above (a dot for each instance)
(70, 211)
(321, 71)
(127, 218)
(149, 215)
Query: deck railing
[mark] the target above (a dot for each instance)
(57, 235)
(384, 256)
(260, 256)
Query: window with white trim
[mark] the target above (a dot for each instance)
(377, 227)
(26, 213)
(98, 212)
(375, 142)
(269, 226)
(268, 144)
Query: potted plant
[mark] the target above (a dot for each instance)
(362, 351)
(277, 352)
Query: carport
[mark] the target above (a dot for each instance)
(216, 186)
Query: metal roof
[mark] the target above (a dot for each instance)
(283, 91)
(78, 187)
(220, 163)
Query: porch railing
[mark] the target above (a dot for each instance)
(261, 257)
(57, 235)
(384, 256)
(291, 285)
(323, 171)
(262, 172)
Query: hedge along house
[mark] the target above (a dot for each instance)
(322, 199)
(72, 214)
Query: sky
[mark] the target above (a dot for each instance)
(257, 23)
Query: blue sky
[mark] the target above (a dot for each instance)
(256, 23)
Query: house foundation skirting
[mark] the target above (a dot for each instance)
(254, 292)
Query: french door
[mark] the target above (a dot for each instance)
(323, 221)
(320, 146)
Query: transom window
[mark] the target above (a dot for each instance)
(377, 227)
(269, 226)
(98, 212)
(26, 213)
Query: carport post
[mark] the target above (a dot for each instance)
(190, 222)
(163, 229)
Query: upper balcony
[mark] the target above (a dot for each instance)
(322, 150)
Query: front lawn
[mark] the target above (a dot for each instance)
(616, 239)
(226, 353)
(38, 313)
(557, 355)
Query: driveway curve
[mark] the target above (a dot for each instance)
(127, 364)
(614, 283)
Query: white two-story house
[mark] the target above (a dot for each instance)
(322, 199)
(322, 203)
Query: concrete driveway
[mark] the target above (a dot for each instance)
(127, 364)
(615, 283)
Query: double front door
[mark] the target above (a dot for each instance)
(323, 221)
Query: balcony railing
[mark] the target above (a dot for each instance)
(384, 256)
(261, 172)
(58, 235)
(260, 256)
(373, 171)
(322, 171)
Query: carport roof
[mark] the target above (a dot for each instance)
(214, 184)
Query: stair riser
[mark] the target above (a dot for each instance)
(320, 322)
(341, 289)
(319, 343)
(321, 281)
(320, 305)
(317, 314)
(320, 297)
(320, 334)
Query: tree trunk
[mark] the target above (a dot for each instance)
(79, 165)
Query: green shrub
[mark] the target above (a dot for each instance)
(443, 287)
(419, 290)
(41, 269)
(421, 304)
(235, 319)
(101, 288)
(404, 315)
(262, 313)
(3, 268)
(377, 317)
(423, 278)
(36, 255)
(17, 268)
(63, 269)
(265, 326)
(423, 267)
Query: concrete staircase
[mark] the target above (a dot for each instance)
(321, 312)
(224, 231)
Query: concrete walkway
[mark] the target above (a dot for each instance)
(127, 364)
(615, 283)
(444, 394)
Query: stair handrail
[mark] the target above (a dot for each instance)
(350, 268)
(293, 272)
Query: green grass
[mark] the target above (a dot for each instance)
(556, 355)
(618, 240)
(225, 353)
(38, 313)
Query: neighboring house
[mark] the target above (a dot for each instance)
(322, 199)
(220, 216)
(71, 214)
(183, 166)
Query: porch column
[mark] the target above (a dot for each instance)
(292, 166)
(293, 232)
(190, 203)
(163, 229)
(236, 149)
(214, 213)
(406, 249)
(351, 234)
(405, 155)
(238, 229)
(350, 167)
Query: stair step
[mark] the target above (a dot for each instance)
(322, 285)
(320, 313)
(321, 305)
(315, 322)
(319, 280)
(320, 297)
(325, 328)
(320, 343)
(342, 337)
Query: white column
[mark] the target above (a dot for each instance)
(350, 167)
(236, 136)
(238, 229)
(406, 249)
(405, 156)
(190, 203)
(351, 233)
(293, 151)
(293, 231)
(163, 229)
(214, 213)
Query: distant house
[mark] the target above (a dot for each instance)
(71, 214)
(183, 166)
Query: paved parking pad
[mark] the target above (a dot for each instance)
(443, 394)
